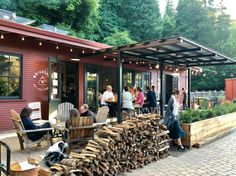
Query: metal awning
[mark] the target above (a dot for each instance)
(176, 51)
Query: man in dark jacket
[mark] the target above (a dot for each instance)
(151, 98)
(84, 111)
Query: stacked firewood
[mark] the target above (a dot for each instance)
(119, 148)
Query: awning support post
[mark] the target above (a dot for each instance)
(162, 103)
(189, 87)
(119, 114)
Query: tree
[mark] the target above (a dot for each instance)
(192, 21)
(142, 19)
(110, 22)
(169, 20)
(118, 38)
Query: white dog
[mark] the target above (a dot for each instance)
(56, 153)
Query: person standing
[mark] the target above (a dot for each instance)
(172, 122)
(184, 94)
(151, 99)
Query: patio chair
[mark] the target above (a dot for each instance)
(101, 116)
(80, 131)
(63, 111)
(36, 115)
(22, 133)
(36, 110)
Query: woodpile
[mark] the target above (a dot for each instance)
(119, 148)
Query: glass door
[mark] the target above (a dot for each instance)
(54, 86)
(91, 87)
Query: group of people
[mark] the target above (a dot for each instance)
(131, 98)
(30, 125)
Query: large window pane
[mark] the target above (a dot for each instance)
(127, 78)
(10, 76)
(138, 80)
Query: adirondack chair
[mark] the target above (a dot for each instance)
(36, 115)
(63, 111)
(101, 116)
(36, 110)
(80, 131)
(22, 133)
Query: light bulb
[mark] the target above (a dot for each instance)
(57, 47)
(71, 50)
(23, 38)
(40, 43)
(2, 36)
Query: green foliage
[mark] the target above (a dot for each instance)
(191, 115)
(118, 38)
(110, 21)
(142, 19)
(169, 22)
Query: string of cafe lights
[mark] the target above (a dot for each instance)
(209, 72)
(40, 43)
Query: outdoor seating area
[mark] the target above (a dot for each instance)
(86, 139)
(134, 89)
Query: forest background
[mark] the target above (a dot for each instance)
(118, 22)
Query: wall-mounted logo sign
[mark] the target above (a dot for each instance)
(41, 80)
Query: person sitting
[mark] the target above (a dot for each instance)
(73, 113)
(172, 122)
(84, 111)
(127, 101)
(151, 99)
(139, 99)
(108, 96)
(29, 125)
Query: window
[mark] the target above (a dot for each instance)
(138, 80)
(127, 78)
(146, 79)
(10, 76)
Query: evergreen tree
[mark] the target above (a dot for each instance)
(142, 19)
(110, 22)
(192, 21)
(169, 20)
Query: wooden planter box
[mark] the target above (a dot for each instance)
(202, 130)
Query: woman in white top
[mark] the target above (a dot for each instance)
(127, 99)
(172, 122)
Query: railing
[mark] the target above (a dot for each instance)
(5, 168)
(208, 94)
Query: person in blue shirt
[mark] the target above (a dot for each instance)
(29, 125)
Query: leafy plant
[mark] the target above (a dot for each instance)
(191, 115)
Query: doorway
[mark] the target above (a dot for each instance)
(168, 87)
(69, 79)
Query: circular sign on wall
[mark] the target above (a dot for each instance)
(41, 80)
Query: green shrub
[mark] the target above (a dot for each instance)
(191, 115)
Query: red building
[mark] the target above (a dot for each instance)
(37, 65)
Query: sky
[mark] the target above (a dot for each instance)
(229, 4)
